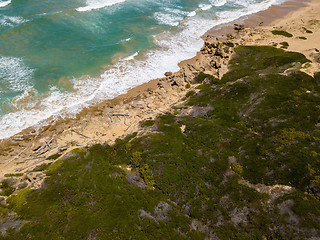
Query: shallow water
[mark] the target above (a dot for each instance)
(57, 57)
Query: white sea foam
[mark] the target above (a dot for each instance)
(123, 75)
(218, 3)
(14, 74)
(125, 40)
(96, 4)
(205, 7)
(131, 57)
(167, 18)
(5, 3)
(170, 16)
(10, 20)
(191, 14)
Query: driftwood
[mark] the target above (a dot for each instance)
(128, 127)
(160, 110)
(45, 145)
(63, 148)
(109, 115)
(79, 133)
(49, 148)
(120, 114)
(48, 143)
(28, 159)
(32, 165)
(174, 103)
(15, 157)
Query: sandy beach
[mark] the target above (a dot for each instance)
(119, 117)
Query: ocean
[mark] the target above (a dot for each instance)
(59, 56)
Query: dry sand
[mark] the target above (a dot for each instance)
(121, 116)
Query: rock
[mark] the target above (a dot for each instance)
(238, 27)
(161, 210)
(167, 74)
(135, 180)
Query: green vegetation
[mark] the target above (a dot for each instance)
(41, 167)
(255, 124)
(190, 93)
(147, 123)
(202, 76)
(13, 175)
(54, 156)
(284, 45)
(6, 189)
(307, 30)
(303, 38)
(282, 33)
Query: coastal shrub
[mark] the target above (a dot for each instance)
(190, 93)
(3, 211)
(237, 168)
(41, 167)
(201, 76)
(288, 136)
(13, 174)
(54, 157)
(303, 38)
(284, 45)
(317, 76)
(282, 33)
(17, 202)
(6, 189)
(147, 123)
(307, 30)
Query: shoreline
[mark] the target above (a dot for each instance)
(120, 116)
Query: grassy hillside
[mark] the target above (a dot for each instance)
(206, 169)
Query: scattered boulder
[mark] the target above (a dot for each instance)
(238, 27)
(135, 180)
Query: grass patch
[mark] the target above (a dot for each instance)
(190, 93)
(13, 175)
(147, 123)
(202, 76)
(284, 45)
(307, 30)
(282, 33)
(41, 167)
(6, 189)
(54, 156)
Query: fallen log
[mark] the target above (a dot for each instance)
(79, 133)
(15, 157)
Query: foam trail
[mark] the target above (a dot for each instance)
(191, 14)
(219, 3)
(10, 21)
(205, 7)
(14, 74)
(3, 4)
(96, 4)
(131, 57)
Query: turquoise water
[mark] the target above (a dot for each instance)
(57, 57)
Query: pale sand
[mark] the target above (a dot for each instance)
(157, 96)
